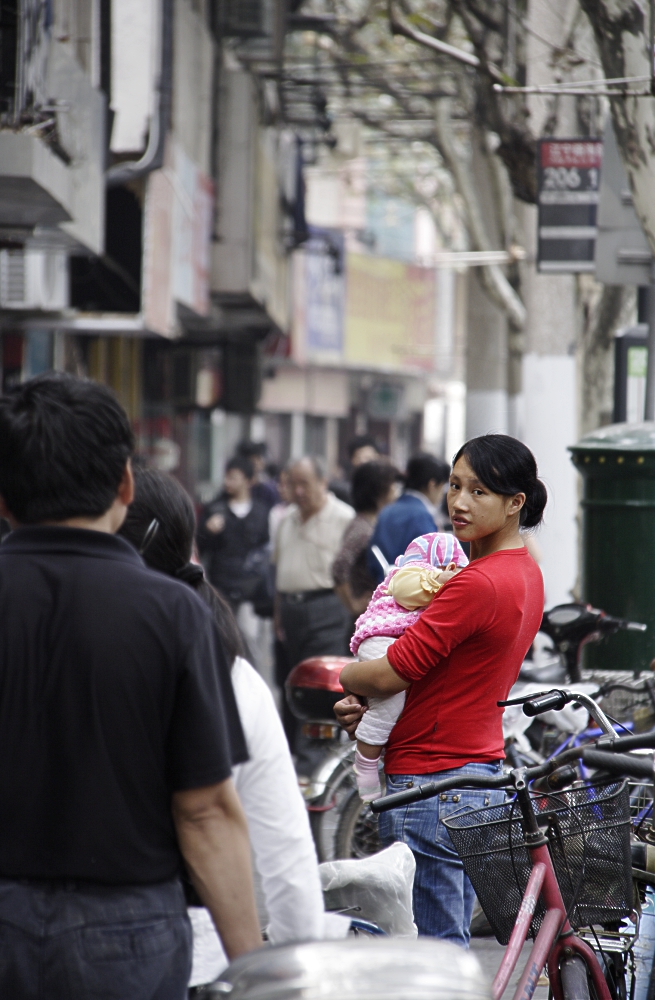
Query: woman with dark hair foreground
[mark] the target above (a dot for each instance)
(160, 524)
(456, 662)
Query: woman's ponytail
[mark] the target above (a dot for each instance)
(506, 466)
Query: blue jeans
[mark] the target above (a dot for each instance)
(443, 895)
(93, 942)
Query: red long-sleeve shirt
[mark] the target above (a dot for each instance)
(462, 656)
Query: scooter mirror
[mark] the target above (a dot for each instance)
(564, 616)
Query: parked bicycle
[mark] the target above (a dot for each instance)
(546, 862)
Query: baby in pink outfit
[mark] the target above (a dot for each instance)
(398, 602)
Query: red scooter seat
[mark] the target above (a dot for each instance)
(312, 688)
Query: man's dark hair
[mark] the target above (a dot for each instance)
(158, 497)
(361, 441)
(252, 449)
(243, 465)
(423, 468)
(371, 483)
(64, 443)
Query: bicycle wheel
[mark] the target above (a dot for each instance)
(613, 965)
(325, 812)
(575, 981)
(357, 831)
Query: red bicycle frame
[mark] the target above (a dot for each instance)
(556, 939)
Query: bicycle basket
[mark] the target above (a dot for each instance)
(588, 832)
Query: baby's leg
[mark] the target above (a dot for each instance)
(375, 726)
(369, 750)
(372, 734)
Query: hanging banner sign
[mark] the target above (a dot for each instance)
(568, 183)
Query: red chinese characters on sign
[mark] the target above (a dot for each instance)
(572, 153)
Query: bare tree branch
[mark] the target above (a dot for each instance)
(493, 279)
(398, 27)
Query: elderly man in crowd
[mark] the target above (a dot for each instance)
(310, 618)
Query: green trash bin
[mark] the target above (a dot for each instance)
(617, 465)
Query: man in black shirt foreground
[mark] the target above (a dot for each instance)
(118, 725)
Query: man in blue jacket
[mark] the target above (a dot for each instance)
(413, 514)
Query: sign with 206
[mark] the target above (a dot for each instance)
(568, 181)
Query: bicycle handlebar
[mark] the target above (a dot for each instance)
(636, 741)
(432, 788)
(619, 763)
(601, 755)
(553, 701)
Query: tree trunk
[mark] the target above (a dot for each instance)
(604, 308)
(622, 31)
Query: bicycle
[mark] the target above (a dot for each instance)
(542, 854)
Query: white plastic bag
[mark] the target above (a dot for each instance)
(377, 888)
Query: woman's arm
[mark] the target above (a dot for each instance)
(373, 678)
(281, 839)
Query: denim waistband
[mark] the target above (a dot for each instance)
(475, 767)
(63, 904)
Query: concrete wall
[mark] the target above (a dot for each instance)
(82, 130)
(232, 254)
(135, 54)
(548, 404)
(193, 68)
(486, 351)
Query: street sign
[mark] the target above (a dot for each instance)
(622, 253)
(568, 180)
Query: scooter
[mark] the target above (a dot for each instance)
(571, 627)
(312, 689)
(556, 661)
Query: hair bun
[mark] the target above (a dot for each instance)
(190, 573)
(535, 500)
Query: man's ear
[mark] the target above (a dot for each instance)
(125, 490)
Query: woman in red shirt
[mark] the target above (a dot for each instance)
(457, 662)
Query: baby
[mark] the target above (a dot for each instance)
(429, 562)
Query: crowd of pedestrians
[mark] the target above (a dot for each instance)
(309, 551)
(144, 759)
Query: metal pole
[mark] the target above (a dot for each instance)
(649, 408)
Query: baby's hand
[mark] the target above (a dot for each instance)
(448, 573)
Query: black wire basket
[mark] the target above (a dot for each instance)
(588, 832)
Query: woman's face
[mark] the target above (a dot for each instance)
(474, 510)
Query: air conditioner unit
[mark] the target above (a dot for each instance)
(33, 279)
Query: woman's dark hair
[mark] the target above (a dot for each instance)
(161, 525)
(370, 484)
(64, 444)
(422, 469)
(506, 466)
